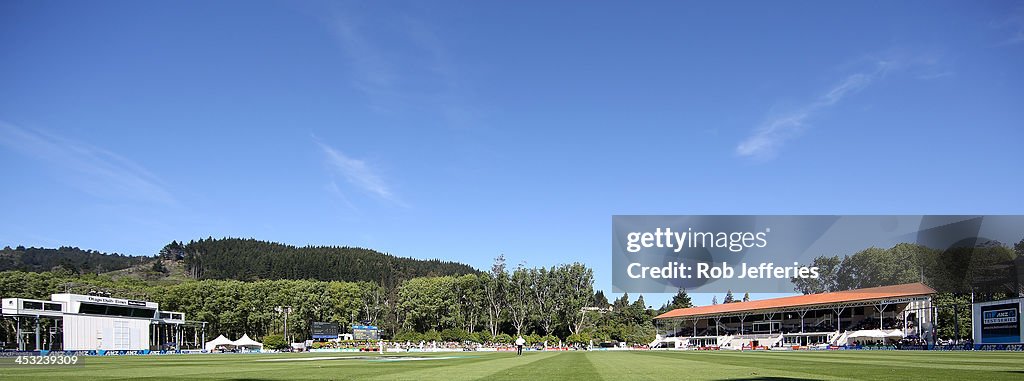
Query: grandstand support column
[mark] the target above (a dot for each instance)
(743, 317)
(905, 321)
(839, 319)
(956, 323)
(935, 318)
(694, 327)
(921, 322)
(38, 335)
(881, 314)
(718, 323)
(802, 313)
(17, 329)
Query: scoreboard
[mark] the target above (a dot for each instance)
(324, 330)
(365, 332)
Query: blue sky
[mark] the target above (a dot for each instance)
(461, 130)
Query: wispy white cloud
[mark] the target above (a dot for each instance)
(401, 63)
(851, 84)
(89, 168)
(1012, 23)
(357, 173)
(373, 74)
(333, 188)
(766, 140)
(935, 75)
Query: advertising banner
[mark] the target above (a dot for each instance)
(1000, 323)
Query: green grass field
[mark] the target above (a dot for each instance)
(597, 365)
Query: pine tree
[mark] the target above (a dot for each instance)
(621, 303)
(746, 296)
(600, 300)
(728, 297)
(714, 300)
(681, 300)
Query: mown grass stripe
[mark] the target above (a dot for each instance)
(702, 366)
(469, 369)
(852, 364)
(589, 366)
(892, 361)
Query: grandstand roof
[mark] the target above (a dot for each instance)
(864, 294)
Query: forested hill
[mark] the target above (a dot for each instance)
(234, 258)
(38, 259)
(250, 259)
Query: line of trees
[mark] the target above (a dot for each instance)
(539, 301)
(66, 257)
(496, 306)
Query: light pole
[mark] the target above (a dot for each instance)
(285, 310)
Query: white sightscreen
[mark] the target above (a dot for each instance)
(106, 333)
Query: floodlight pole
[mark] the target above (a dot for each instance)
(286, 310)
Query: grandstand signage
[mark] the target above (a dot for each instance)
(123, 302)
(73, 298)
(902, 300)
(719, 253)
(323, 330)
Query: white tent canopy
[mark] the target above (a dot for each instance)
(876, 334)
(246, 342)
(220, 340)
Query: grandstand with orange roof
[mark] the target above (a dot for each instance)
(879, 316)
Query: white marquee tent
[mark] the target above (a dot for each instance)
(874, 334)
(220, 340)
(246, 342)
